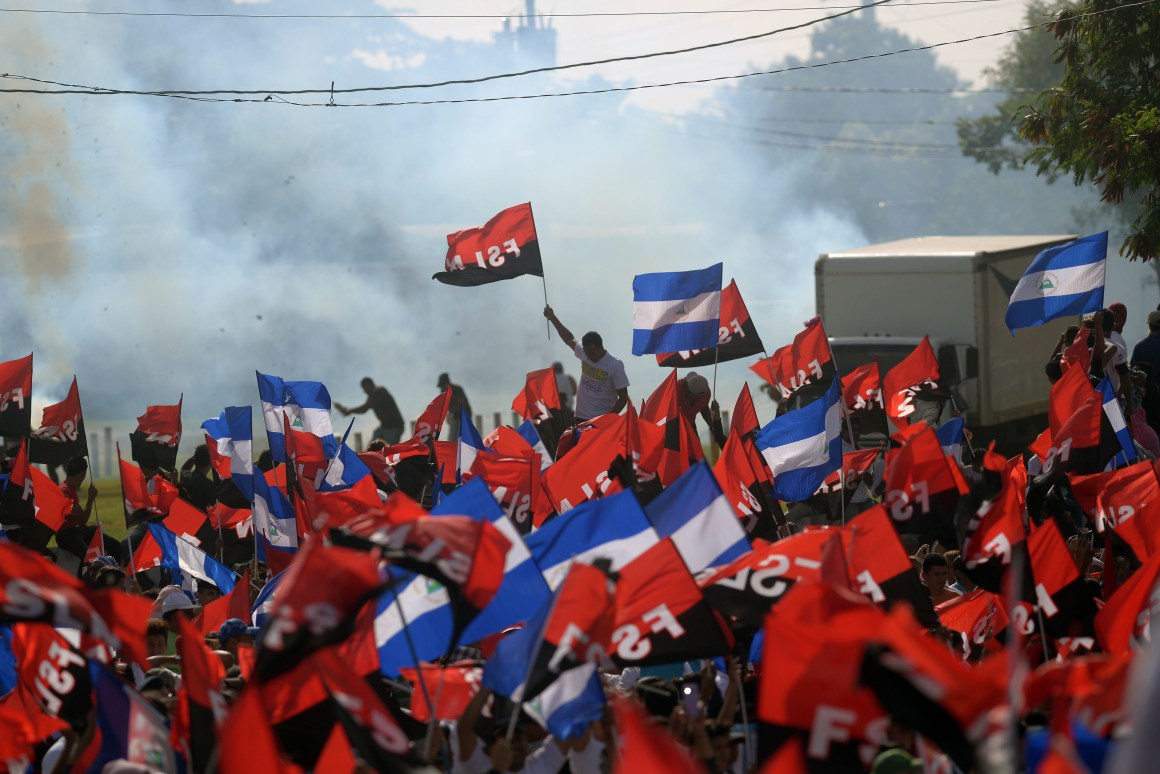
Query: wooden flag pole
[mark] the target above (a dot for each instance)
(547, 322)
(543, 279)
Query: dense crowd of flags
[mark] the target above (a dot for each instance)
(628, 551)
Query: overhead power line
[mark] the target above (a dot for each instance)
(274, 96)
(502, 76)
(404, 16)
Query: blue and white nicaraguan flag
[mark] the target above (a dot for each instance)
(802, 447)
(676, 311)
(1062, 281)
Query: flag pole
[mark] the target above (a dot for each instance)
(428, 752)
(410, 642)
(547, 322)
(543, 279)
(96, 512)
(716, 355)
(519, 703)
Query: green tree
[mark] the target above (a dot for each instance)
(1102, 125)
(1026, 69)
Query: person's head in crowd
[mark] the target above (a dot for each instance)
(265, 461)
(696, 385)
(109, 578)
(177, 604)
(950, 556)
(1119, 316)
(593, 345)
(156, 637)
(557, 367)
(1054, 368)
(444, 381)
(207, 592)
(1070, 334)
(376, 445)
(959, 570)
(160, 688)
(659, 696)
(234, 632)
(89, 571)
(1154, 321)
(75, 471)
(200, 458)
(935, 571)
(895, 761)
(1107, 321)
(367, 384)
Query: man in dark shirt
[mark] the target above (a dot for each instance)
(1147, 349)
(390, 427)
(457, 403)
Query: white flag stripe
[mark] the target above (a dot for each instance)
(191, 559)
(707, 535)
(416, 601)
(1074, 279)
(619, 552)
(806, 453)
(650, 315)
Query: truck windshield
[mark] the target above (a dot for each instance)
(848, 357)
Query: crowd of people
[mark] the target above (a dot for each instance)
(1005, 644)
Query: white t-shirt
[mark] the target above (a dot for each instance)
(599, 382)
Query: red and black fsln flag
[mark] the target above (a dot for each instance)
(504, 247)
(62, 432)
(16, 398)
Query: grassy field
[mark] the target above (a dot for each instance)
(109, 507)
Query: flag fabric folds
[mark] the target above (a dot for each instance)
(16, 397)
(673, 311)
(612, 528)
(504, 247)
(232, 435)
(305, 404)
(1062, 281)
(154, 443)
(802, 447)
(539, 396)
(902, 384)
(181, 557)
(61, 435)
(695, 513)
(736, 337)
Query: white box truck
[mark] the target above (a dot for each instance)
(879, 301)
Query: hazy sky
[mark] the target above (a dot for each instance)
(155, 247)
(590, 38)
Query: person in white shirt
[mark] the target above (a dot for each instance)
(603, 383)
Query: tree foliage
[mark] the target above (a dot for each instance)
(1026, 69)
(1102, 125)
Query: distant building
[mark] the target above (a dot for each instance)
(532, 42)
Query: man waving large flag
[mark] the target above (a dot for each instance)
(676, 310)
(1064, 280)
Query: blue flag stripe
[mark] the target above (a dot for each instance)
(677, 285)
